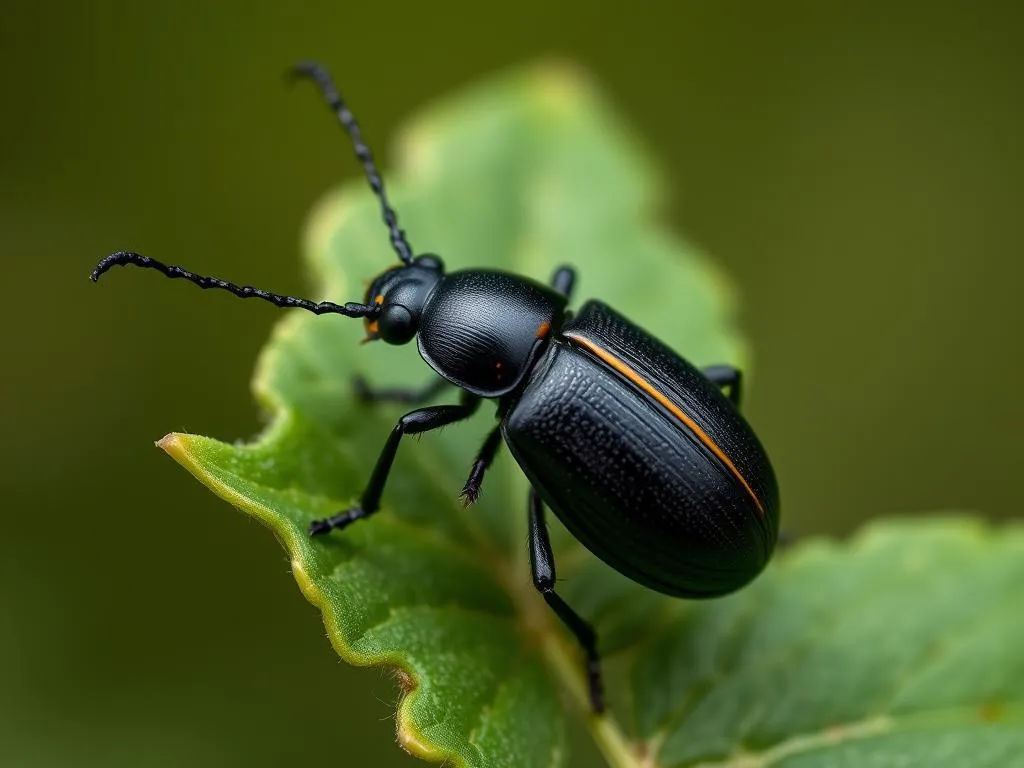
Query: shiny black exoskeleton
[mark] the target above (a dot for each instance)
(641, 455)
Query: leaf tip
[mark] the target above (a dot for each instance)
(173, 445)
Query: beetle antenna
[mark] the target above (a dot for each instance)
(122, 258)
(322, 78)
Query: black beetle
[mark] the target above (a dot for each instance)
(640, 454)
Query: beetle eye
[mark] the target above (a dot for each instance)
(396, 324)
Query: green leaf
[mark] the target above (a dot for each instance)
(905, 647)
(903, 643)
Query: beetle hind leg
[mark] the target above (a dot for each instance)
(728, 378)
(542, 562)
(563, 281)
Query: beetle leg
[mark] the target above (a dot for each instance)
(471, 490)
(563, 281)
(725, 376)
(542, 561)
(367, 394)
(414, 422)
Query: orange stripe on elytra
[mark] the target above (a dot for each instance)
(674, 409)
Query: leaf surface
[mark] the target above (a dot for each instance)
(839, 656)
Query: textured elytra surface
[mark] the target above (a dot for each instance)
(903, 647)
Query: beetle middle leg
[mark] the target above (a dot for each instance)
(410, 396)
(542, 562)
(471, 490)
(414, 422)
(726, 377)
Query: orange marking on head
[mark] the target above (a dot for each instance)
(671, 407)
(372, 330)
(378, 299)
(542, 329)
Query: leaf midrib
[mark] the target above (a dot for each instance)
(533, 615)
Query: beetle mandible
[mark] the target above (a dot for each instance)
(642, 456)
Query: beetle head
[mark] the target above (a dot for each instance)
(401, 292)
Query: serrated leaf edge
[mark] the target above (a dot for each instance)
(176, 445)
(560, 657)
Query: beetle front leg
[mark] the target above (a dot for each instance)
(471, 490)
(563, 281)
(367, 394)
(414, 422)
(542, 561)
(726, 377)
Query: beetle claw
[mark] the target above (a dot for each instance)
(471, 490)
(336, 522)
(469, 494)
(319, 527)
(595, 685)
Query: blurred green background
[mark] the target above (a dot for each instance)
(856, 168)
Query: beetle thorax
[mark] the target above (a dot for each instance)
(483, 330)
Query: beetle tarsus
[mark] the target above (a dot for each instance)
(484, 457)
(336, 522)
(542, 562)
(588, 640)
(595, 683)
(471, 490)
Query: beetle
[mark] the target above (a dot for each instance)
(645, 458)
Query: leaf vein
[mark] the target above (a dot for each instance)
(858, 730)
